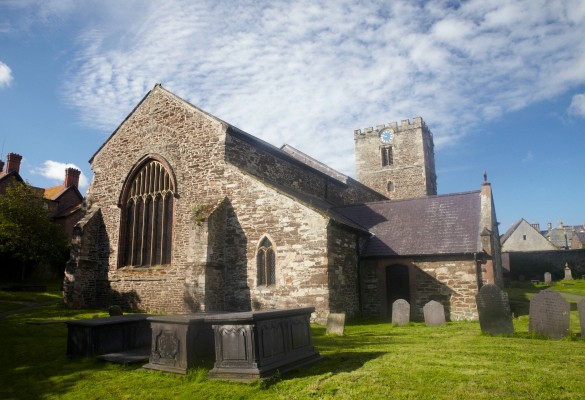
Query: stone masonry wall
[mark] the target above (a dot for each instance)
(450, 282)
(191, 142)
(299, 238)
(533, 264)
(413, 169)
(453, 283)
(213, 260)
(287, 173)
(342, 274)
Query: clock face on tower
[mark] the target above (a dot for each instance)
(386, 136)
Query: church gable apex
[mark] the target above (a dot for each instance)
(148, 105)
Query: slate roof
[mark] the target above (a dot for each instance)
(446, 224)
(310, 161)
(581, 236)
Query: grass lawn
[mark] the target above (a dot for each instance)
(373, 360)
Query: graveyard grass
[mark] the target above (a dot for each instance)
(372, 360)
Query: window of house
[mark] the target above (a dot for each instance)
(524, 237)
(390, 186)
(266, 263)
(387, 156)
(147, 217)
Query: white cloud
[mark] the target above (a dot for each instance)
(55, 171)
(5, 75)
(310, 72)
(577, 107)
(529, 157)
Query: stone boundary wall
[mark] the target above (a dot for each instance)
(533, 265)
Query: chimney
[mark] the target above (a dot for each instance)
(13, 162)
(1, 166)
(549, 226)
(72, 177)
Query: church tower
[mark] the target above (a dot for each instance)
(397, 161)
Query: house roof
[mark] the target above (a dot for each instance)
(69, 211)
(511, 230)
(7, 175)
(532, 239)
(580, 236)
(54, 192)
(446, 224)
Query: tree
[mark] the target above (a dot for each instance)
(28, 237)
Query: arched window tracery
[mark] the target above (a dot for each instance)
(266, 263)
(147, 215)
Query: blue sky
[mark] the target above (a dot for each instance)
(501, 84)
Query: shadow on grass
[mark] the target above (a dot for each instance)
(36, 365)
(519, 295)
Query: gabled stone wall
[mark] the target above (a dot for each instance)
(222, 210)
(450, 281)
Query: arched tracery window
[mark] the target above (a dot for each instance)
(147, 216)
(266, 263)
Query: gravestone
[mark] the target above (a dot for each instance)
(336, 323)
(547, 278)
(434, 313)
(493, 307)
(549, 315)
(400, 312)
(568, 275)
(581, 308)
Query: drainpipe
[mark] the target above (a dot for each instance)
(480, 259)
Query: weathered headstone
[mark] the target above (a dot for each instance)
(581, 308)
(568, 275)
(549, 315)
(495, 316)
(434, 313)
(400, 312)
(336, 323)
(547, 278)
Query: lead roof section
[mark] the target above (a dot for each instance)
(446, 224)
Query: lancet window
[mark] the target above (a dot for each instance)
(266, 263)
(387, 156)
(148, 217)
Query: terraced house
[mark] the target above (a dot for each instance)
(188, 213)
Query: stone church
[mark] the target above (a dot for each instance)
(188, 213)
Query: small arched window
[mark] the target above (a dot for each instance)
(390, 186)
(266, 263)
(147, 216)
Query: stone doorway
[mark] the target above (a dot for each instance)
(397, 285)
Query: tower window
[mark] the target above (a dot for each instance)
(148, 217)
(266, 263)
(387, 156)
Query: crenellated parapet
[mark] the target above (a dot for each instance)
(404, 126)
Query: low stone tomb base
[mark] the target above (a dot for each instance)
(97, 336)
(259, 344)
(179, 341)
